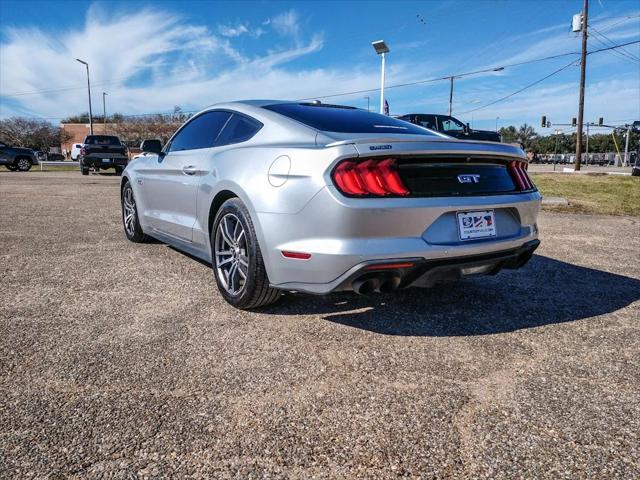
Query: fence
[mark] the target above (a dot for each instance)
(601, 159)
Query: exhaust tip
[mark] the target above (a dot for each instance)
(389, 285)
(365, 287)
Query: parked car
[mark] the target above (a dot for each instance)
(321, 198)
(55, 157)
(75, 151)
(16, 158)
(450, 126)
(100, 152)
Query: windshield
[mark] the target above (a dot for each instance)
(338, 118)
(101, 140)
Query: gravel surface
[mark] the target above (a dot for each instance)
(122, 361)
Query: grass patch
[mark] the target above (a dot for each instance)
(61, 168)
(595, 194)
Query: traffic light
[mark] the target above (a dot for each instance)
(544, 121)
(574, 122)
(600, 121)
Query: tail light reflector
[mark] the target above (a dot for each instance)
(376, 178)
(296, 255)
(518, 171)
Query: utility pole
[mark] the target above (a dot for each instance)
(104, 112)
(587, 146)
(626, 148)
(450, 94)
(583, 71)
(368, 109)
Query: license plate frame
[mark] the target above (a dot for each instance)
(476, 224)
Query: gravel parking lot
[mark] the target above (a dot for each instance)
(121, 360)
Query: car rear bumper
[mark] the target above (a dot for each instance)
(344, 234)
(104, 162)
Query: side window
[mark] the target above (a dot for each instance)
(238, 129)
(201, 132)
(427, 121)
(450, 124)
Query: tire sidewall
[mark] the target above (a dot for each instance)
(237, 208)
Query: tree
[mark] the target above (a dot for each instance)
(32, 133)
(509, 134)
(526, 136)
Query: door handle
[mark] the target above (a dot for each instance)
(189, 170)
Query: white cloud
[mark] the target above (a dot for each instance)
(239, 30)
(286, 23)
(151, 60)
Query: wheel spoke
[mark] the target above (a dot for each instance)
(224, 262)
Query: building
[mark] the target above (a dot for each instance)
(78, 132)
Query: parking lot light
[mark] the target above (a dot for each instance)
(381, 49)
(89, 90)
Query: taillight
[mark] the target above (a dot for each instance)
(82, 151)
(369, 178)
(518, 171)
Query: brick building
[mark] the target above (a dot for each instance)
(79, 131)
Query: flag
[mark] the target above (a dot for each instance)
(386, 107)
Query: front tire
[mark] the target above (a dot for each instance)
(130, 222)
(237, 262)
(23, 164)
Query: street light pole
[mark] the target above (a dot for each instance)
(88, 90)
(382, 49)
(104, 112)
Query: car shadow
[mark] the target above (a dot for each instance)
(546, 291)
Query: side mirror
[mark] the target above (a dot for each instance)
(151, 146)
(467, 129)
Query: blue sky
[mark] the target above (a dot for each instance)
(151, 56)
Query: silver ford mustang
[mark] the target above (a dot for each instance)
(320, 198)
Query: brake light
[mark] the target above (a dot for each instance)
(82, 151)
(518, 172)
(369, 178)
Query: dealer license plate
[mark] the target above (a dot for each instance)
(473, 225)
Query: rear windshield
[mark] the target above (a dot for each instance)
(101, 140)
(338, 118)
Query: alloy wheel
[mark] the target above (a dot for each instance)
(129, 210)
(24, 164)
(231, 254)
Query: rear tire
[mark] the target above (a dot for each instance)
(130, 222)
(12, 168)
(83, 169)
(119, 170)
(237, 262)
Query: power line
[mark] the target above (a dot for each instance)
(623, 51)
(546, 77)
(573, 62)
(447, 77)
